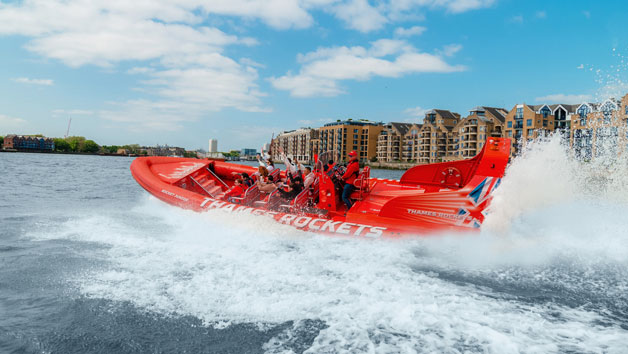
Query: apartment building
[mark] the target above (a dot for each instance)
(342, 137)
(27, 142)
(470, 134)
(410, 149)
(390, 142)
(526, 122)
(435, 141)
(295, 143)
(600, 129)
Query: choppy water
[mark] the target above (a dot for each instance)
(89, 263)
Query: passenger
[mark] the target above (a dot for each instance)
(264, 183)
(352, 172)
(308, 179)
(294, 189)
(236, 191)
(266, 163)
(246, 180)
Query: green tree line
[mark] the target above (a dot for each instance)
(76, 144)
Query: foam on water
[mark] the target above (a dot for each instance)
(378, 295)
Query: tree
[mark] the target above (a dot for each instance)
(61, 145)
(76, 143)
(1, 140)
(90, 146)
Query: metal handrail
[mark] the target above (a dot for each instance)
(217, 178)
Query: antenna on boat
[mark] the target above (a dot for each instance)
(67, 132)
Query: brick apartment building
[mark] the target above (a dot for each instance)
(296, 143)
(600, 129)
(344, 136)
(391, 140)
(471, 132)
(435, 141)
(526, 122)
(28, 143)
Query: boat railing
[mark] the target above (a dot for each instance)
(250, 196)
(362, 182)
(217, 178)
(302, 199)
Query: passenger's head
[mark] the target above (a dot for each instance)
(270, 162)
(263, 171)
(330, 162)
(238, 181)
(308, 170)
(353, 155)
(245, 175)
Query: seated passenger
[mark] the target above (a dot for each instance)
(236, 191)
(264, 182)
(246, 180)
(293, 189)
(309, 178)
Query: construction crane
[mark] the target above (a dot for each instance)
(67, 132)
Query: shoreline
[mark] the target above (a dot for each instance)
(64, 153)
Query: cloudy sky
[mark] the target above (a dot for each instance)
(181, 72)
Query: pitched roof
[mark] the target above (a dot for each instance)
(445, 113)
(402, 128)
(497, 113)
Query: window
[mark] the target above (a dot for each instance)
(509, 124)
(627, 109)
(355, 130)
(583, 111)
(545, 111)
(530, 132)
(510, 133)
(529, 122)
(519, 114)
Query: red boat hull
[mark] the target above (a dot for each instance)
(428, 199)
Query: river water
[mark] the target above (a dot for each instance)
(90, 263)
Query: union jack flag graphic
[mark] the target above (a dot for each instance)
(479, 197)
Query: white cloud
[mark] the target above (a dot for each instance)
(409, 32)
(72, 112)
(458, 6)
(581, 66)
(516, 19)
(321, 70)
(42, 82)
(451, 49)
(7, 122)
(541, 14)
(563, 98)
(416, 111)
(360, 15)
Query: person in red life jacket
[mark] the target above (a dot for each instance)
(236, 191)
(352, 172)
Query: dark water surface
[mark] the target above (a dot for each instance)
(89, 263)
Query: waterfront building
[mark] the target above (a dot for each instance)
(342, 137)
(213, 146)
(526, 122)
(248, 153)
(470, 134)
(410, 148)
(296, 144)
(391, 140)
(28, 143)
(600, 129)
(435, 140)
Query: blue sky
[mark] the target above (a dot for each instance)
(182, 72)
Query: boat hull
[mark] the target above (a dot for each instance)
(426, 203)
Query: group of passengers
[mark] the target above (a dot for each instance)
(298, 178)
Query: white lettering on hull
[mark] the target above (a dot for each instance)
(301, 222)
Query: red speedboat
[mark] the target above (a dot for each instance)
(427, 199)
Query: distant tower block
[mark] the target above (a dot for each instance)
(213, 145)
